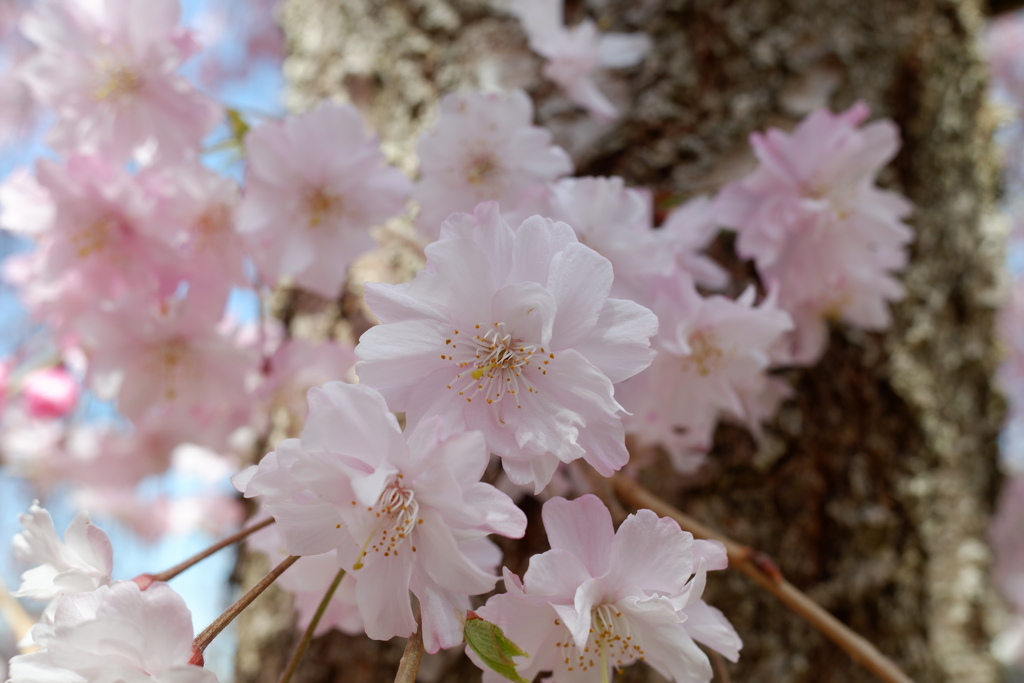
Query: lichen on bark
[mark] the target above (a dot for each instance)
(873, 486)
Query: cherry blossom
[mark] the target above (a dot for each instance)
(713, 354)
(98, 239)
(404, 513)
(196, 208)
(818, 228)
(603, 599)
(114, 633)
(511, 332)
(616, 222)
(575, 54)
(296, 367)
(690, 228)
(171, 356)
(315, 185)
(483, 148)
(80, 563)
(108, 70)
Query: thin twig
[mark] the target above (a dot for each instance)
(221, 622)
(307, 636)
(762, 570)
(410, 662)
(144, 580)
(718, 663)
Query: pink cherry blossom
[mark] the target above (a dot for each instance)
(818, 228)
(511, 332)
(196, 208)
(483, 148)
(690, 228)
(575, 54)
(603, 599)
(49, 392)
(172, 356)
(315, 185)
(307, 581)
(296, 367)
(80, 563)
(404, 513)
(712, 362)
(616, 222)
(114, 633)
(108, 70)
(99, 239)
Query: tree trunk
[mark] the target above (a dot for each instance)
(873, 487)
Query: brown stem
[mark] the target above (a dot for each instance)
(219, 624)
(718, 664)
(307, 636)
(763, 571)
(144, 580)
(410, 662)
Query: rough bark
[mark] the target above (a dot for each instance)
(872, 488)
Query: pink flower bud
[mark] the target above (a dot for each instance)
(49, 393)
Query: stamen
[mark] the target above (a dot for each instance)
(120, 82)
(397, 514)
(322, 206)
(705, 357)
(94, 237)
(494, 364)
(610, 639)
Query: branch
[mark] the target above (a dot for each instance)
(145, 580)
(220, 623)
(307, 636)
(410, 663)
(762, 570)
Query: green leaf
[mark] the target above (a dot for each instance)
(493, 648)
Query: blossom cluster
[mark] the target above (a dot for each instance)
(553, 319)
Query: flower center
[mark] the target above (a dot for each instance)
(94, 237)
(397, 513)
(120, 82)
(610, 643)
(169, 360)
(705, 357)
(493, 364)
(212, 227)
(321, 206)
(482, 169)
